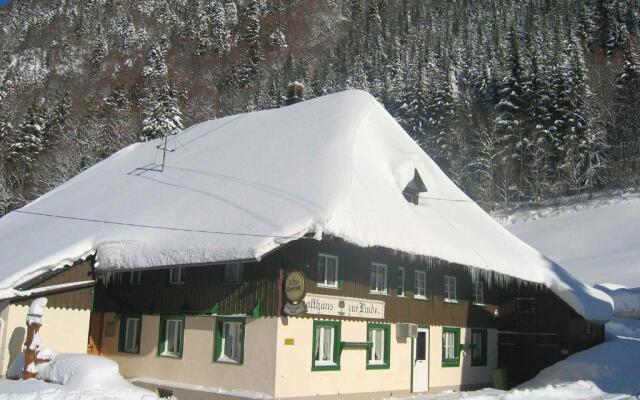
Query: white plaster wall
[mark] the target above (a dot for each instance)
(63, 330)
(294, 376)
(465, 374)
(196, 365)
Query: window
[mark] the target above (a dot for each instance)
(450, 289)
(478, 292)
(420, 290)
(233, 272)
(129, 334)
(171, 336)
(378, 280)
(400, 282)
(327, 270)
(176, 276)
(525, 305)
(135, 278)
(478, 347)
(378, 354)
(229, 340)
(450, 347)
(326, 345)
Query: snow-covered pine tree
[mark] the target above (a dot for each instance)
(28, 141)
(220, 33)
(99, 50)
(511, 115)
(57, 118)
(6, 135)
(252, 37)
(155, 65)
(163, 115)
(625, 137)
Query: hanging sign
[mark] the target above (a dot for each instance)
(294, 286)
(320, 304)
(295, 309)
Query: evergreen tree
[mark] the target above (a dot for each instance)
(155, 65)
(252, 37)
(625, 135)
(57, 118)
(6, 134)
(163, 115)
(28, 142)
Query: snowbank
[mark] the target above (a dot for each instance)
(238, 187)
(73, 376)
(626, 300)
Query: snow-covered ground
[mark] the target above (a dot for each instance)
(597, 241)
(74, 377)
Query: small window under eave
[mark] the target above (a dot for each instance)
(413, 189)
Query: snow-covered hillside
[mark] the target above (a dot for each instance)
(598, 241)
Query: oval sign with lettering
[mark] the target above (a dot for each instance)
(294, 286)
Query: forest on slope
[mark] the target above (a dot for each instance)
(516, 100)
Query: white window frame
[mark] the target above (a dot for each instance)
(135, 278)
(237, 346)
(376, 268)
(403, 275)
(450, 289)
(177, 339)
(416, 293)
(325, 282)
(128, 348)
(449, 339)
(372, 339)
(180, 276)
(478, 293)
(234, 272)
(320, 344)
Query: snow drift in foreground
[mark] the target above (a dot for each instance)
(596, 241)
(626, 300)
(74, 376)
(238, 187)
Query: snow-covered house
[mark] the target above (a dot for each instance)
(309, 250)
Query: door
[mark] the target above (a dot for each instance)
(421, 361)
(95, 333)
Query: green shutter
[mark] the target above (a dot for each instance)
(217, 336)
(387, 346)
(337, 347)
(162, 334)
(451, 362)
(123, 332)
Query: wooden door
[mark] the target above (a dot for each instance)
(94, 344)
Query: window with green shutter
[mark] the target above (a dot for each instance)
(229, 340)
(378, 355)
(326, 346)
(171, 337)
(450, 347)
(129, 338)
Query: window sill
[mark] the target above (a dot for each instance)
(377, 293)
(378, 366)
(478, 364)
(479, 304)
(226, 360)
(325, 367)
(133, 353)
(422, 298)
(451, 364)
(169, 355)
(451, 301)
(323, 286)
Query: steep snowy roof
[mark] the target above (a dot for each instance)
(335, 165)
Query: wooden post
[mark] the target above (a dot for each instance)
(280, 291)
(32, 343)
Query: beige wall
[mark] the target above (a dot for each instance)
(196, 365)
(453, 377)
(63, 330)
(294, 376)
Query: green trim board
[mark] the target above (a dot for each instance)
(451, 362)
(336, 325)
(162, 335)
(218, 335)
(386, 328)
(123, 332)
(481, 360)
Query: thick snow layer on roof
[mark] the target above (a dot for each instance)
(335, 165)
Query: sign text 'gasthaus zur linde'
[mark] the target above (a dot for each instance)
(320, 304)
